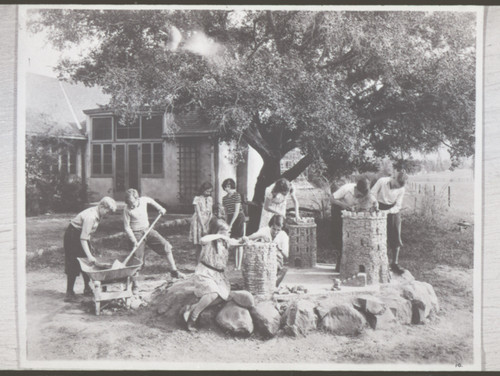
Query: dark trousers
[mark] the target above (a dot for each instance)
(238, 225)
(393, 232)
(73, 249)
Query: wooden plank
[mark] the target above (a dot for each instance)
(491, 190)
(8, 291)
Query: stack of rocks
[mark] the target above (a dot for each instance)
(365, 246)
(303, 243)
(259, 268)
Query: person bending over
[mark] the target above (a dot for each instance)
(389, 192)
(77, 243)
(136, 223)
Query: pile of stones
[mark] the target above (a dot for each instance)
(403, 301)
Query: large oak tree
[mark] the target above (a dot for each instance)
(343, 86)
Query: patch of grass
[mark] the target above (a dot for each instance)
(438, 241)
(44, 242)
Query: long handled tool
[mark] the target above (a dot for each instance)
(238, 258)
(117, 264)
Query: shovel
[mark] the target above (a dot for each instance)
(117, 264)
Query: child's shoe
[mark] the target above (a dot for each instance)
(70, 297)
(87, 291)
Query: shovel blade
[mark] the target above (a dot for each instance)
(117, 265)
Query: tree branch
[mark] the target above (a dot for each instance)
(254, 138)
(294, 171)
(342, 59)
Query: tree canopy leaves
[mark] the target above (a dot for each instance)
(342, 86)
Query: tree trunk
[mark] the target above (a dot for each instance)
(269, 173)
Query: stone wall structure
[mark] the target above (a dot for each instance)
(364, 238)
(303, 244)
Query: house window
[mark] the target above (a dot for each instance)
(152, 158)
(152, 127)
(102, 128)
(64, 163)
(102, 159)
(72, 162)
(68, 162)
(188, 170)
(128, 131)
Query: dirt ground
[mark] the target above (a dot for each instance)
(57, 330)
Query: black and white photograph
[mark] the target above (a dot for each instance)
(250, 187)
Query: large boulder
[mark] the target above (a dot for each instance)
(370, 304)
(423, 298)
(299, 318)
(207, 318)
(343, 320)
(383, 320)
(266, 318)
(171, 302)
(235, 319)
(242, 298)
(400, 308)
(405, 277)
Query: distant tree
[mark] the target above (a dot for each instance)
(340, 86)
(47, 187)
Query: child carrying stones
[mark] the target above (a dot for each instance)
(77, 243)
(201, 217)
(210, 281)
(136, 222)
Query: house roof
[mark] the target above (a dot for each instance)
(48, 110)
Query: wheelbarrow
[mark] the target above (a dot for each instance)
(109, 284)
(113, 281)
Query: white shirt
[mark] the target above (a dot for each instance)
(385, 195)
(87, 221)
(136, 219)
(346, 194)
(281, 238)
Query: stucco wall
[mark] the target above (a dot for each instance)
(166, 189)
(255, 163)
(226, 168)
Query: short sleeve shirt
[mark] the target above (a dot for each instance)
(137, 218)
(281, 239)
(385, 195)
(87, 221)
(229, 203)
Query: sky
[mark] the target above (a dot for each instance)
(40, 57)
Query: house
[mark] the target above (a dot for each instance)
(163, 156)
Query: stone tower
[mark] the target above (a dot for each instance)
(303, 244)
(364, 238)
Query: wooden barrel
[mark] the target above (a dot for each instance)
(259, 268)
